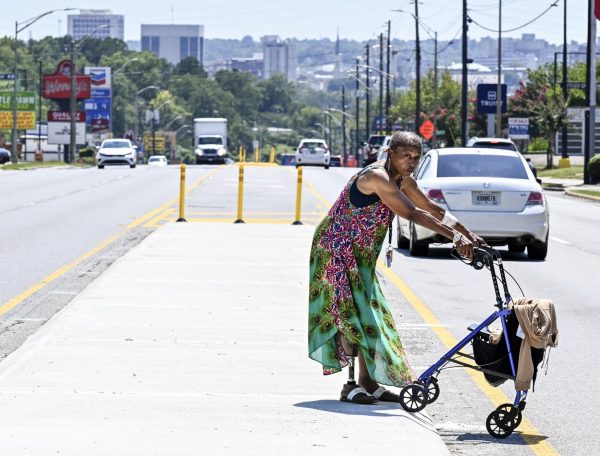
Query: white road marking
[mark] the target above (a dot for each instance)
(561, 241)
(63, 292)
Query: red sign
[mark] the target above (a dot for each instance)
(426, 129)
(597, 9)
(65, 116)
(59, 87)
(99, 124)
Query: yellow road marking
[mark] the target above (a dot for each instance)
(530, 434)
(13, 302)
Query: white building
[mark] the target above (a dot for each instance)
(87, 22)
(279, 57)
(174, 42)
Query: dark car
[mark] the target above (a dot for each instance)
(336, 160)
(4, 155)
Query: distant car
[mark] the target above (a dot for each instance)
(116, 152)
(382, 151)
(4, 155)
(313, 152)
(492, 143)
(372, 148)
(287, 159)
(158, 160)
(336, 160)
(492, 192)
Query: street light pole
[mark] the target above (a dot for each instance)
(380, 129)
(19, 27)
(344, 124)
(356, 134)
(40, 107)
(463, 96)
(418, 71)
(564, 153)
(388, 100)
(367, 116)
(137, 109)
(435, 89)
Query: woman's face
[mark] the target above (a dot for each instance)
(404, 159)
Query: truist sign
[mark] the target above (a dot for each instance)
(58, 85)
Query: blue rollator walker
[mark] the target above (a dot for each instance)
(507, 417)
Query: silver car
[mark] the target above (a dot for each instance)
(491, 191)
(313, 152)
(116, 152)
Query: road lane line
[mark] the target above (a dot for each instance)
(561, 241)
(528, 432)
(16, 300)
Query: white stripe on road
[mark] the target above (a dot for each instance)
(561, 241)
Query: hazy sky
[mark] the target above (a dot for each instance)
(355, 19)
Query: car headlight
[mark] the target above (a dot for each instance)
(221, 152)
(199, 152)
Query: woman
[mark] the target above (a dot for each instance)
(347, 309)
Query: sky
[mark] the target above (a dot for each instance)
(354, 19)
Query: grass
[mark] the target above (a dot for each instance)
(588, 192)
(35, 165)
(574, 172)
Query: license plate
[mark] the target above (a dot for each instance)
(486, 198)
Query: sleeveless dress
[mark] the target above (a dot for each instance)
(344, 294)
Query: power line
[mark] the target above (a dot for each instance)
(555, 3)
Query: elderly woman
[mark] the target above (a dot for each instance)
(348, 314)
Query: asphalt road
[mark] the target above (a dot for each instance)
(50, 218)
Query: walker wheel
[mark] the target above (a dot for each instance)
(503, 421)
(433, 390)
(413, 397)
(513, 412)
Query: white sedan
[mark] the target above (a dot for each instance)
(157, 160)
(492, 192)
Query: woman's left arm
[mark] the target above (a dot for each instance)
(420, 200)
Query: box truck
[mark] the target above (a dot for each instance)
(210, 140)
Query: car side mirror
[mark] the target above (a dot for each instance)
(538, 180)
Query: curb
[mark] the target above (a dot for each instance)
(574, 193)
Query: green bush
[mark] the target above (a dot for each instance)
(594, 168)
(87, 152)
(538, 144)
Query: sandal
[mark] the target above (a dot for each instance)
(384, 395)
(358, 395)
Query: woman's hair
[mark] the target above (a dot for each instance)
(404, 139)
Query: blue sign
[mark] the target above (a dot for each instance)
(99, 93)
(487, 98)
(518, 127)
(97, 108)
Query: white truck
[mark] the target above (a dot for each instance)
(210, 140)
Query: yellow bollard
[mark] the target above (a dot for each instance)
(298, 197)
(182, 195)
(240, 156)
(257, 154)
(240, 196)
(272, 160)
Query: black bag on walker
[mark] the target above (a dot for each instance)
(495, 357)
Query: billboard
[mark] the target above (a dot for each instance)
(25, 110)
(60, 133)
(98, 113)
(487, 98)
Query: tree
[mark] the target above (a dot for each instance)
(190, 65)
(551, 115)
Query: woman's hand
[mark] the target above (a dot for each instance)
(464, 247)
(477, 241)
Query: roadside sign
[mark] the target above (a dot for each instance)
(65, 116)
(7, 81)
(518, 127)
(487, 98)
(25, 101)
(25, 120)
(60, 132)
(426, 129)
(159, 142)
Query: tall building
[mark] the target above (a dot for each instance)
(87, 22)
(174, 42)
(279, 56)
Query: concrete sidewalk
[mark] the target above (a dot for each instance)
(193, 343)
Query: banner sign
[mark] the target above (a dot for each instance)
(518, 127)
(25, 101)
(59, 87)
(7, 81)
(65, 116)
(99, 93)
(25, 120)
(60, 133)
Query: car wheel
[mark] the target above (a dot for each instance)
(100, 166)
(516, 248)
(403, 242)
(326, 166)
(537, 250)
(132, 166)
(415, 247)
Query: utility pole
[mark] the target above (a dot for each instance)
(418, 71)
(463, 96)
(564, 153)
(40, 91)
(590, 77)
(344, 123)
(388, 100)
(435, 89)
(367, 129)
(356, 134)
(499, 86)
(70, 155)
(380, 129)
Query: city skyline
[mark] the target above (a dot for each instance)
(318, 19)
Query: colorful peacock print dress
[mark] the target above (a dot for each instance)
(345, 296)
